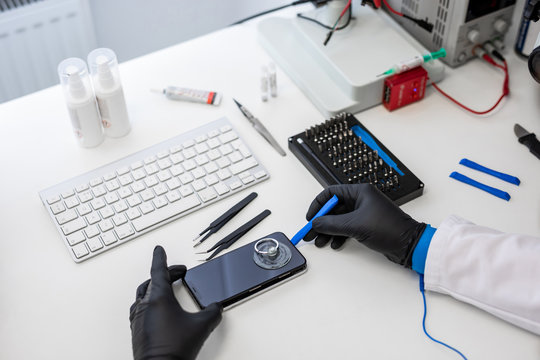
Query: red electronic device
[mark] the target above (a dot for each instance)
(405, 88)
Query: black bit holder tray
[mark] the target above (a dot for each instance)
(333, 154)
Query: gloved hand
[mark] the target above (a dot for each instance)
(160, 328)
(364, 213)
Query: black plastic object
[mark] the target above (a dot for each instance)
(334, 155)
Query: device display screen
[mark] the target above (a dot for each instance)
(236, 275)
(479, 8)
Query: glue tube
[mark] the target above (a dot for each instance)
(192, 95)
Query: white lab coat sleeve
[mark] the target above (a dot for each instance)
(495, 271)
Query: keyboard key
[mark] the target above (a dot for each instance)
(165, 213)
(199, 185)
(80, 250)
(213, 143)
(226, 149)
(85, 196)
(109, 176)
(74, 225)
(186, 190)
(248, 179)
(163, 154)
(136, 165)
(213, 155)
(235, 185)
(91, 231)
(159, 202)
(106, 212)
(99, 191)
(138, 174)
(120, 206)
(243, 165)
(211, 180)
(235, 157)
(163, 176)
(106, 225)
(146, 208)
(164, 164)
(211, 167)
(112, 185)
(75, 238)
(151, 169)
(174, 183)
(67, 193)
(188, 143)
(138, 187)
(149, 159)
(93, 218)
(175, 149)
(71, 202)
(223, 162)
(147, 195)
(124, 192)
(57, 208)
(224, 174)
(198, 173)
(189, 165)
(125, 180)
(176, 170)
(119, 219)
(213, 133)
(94, 244)
(81, 188)
(95, 181)
(225, 128)
(221, 189)
(124, 169)
(228, 137)
(189, 153)
(108, 238)
(66, 216)
(177, 158)
(160, 189)
(124, 231)
(84, 209)
(98, 203)
(260, 174)
(173, 196)
(133, 214)
(201, 160)
(199, 139)
(111, 198)
(201, 148)
(185, 178)
(134, 200)
(151, 181)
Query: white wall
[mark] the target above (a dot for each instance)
(136, 27)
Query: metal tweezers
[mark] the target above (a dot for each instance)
(223, 219)
(235, 235)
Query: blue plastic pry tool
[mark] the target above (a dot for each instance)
(324, 210)
(505, 177)
(368, 140)
(493, 191)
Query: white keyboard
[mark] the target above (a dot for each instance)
(117, 202)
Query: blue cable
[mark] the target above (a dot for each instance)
(424, 320)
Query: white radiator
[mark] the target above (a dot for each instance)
(35, 35)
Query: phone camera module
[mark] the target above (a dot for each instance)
(271, 254)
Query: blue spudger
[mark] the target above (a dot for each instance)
(505, 177)
(324, 210)
(493, 191)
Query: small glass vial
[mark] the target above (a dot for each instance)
(109, 93)
(81, 102)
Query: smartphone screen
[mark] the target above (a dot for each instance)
(235, 276)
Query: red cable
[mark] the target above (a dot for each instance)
(391, 9)
(506, 89)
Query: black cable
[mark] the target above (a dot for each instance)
(326, 26)
(294, 3)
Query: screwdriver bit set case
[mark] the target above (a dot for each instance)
(334, 154)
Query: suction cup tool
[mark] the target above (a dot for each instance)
(271, 254)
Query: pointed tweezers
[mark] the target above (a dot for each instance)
(223, 219)
(235, 235)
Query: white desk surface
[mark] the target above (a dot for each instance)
(351, 304)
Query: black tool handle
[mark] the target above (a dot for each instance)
(532, 143)
(241, 231)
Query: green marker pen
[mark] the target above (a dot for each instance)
(416, 61)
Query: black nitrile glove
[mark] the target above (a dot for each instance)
(160, 328)
(364, 213)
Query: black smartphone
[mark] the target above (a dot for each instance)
(245, 272)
